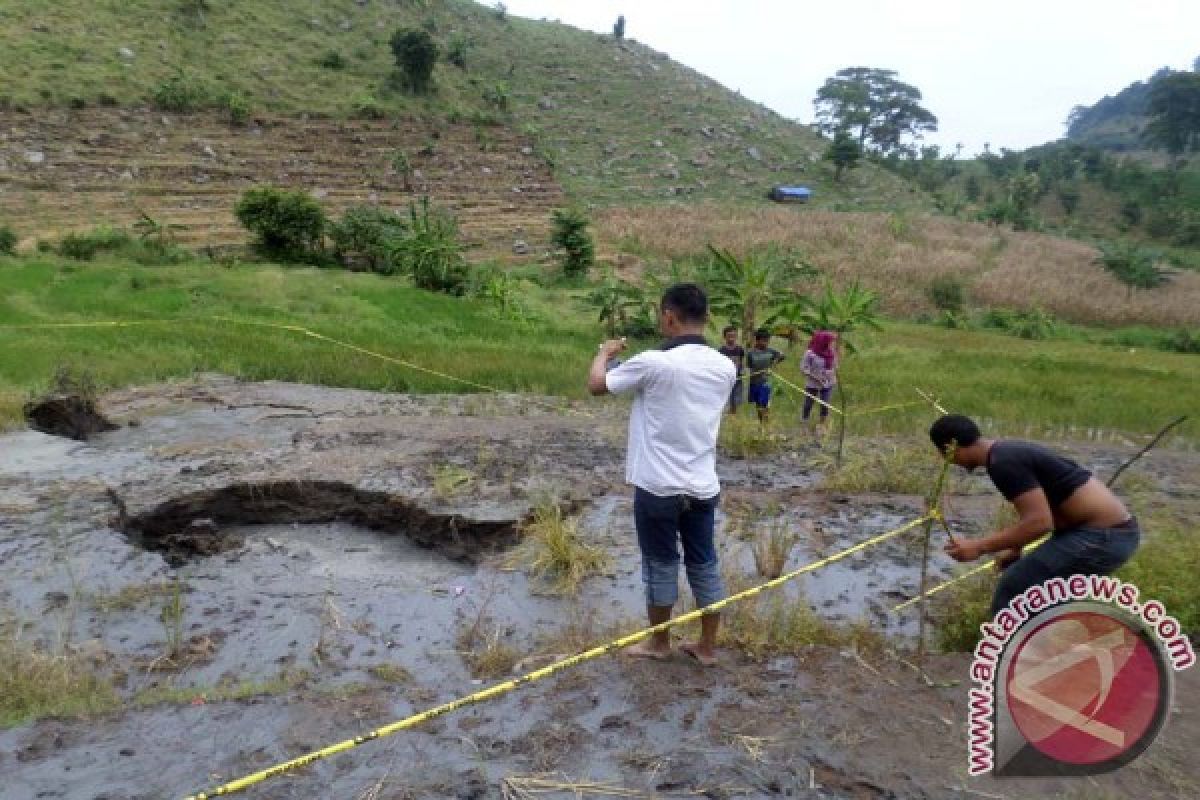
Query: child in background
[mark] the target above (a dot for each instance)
(737, 354)
(759, 360)
(820, 375)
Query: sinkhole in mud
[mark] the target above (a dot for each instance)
(195, 524)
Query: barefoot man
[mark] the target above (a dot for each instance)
(679, 392)
(1093, 533)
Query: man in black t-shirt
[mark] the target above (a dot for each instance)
(1093, 533)
(737, 354)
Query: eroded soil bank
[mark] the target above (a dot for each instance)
(330, 547)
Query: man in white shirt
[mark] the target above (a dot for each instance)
(680, 393)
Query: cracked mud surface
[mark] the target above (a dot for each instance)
(319, 538)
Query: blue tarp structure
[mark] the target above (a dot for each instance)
(790, 194)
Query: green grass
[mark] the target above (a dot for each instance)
(36, 684)
(269, 52)
(1017, 387)
(1165, 567)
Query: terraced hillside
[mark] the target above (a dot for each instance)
(67, 170)
(618, 122)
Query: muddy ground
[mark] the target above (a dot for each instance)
(322, 536)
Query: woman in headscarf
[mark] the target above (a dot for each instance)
(820, 374)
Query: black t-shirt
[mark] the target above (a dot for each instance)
(1016, 467)
(735, 354)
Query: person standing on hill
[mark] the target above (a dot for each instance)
(1092, 533)
(759, 361)
(679, 396)
(737, 354)
(820, 375)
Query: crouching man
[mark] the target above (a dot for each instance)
(1092, 532)
(679, 393)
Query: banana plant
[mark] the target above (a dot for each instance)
(755, 291)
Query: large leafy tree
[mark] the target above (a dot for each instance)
(874, 107)
(1174, 111)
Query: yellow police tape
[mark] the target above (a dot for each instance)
(862, 413)
(550, 669)
(957, 579)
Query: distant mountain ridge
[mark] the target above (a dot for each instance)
(1116, 122)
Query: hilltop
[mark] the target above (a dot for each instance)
(619, 122)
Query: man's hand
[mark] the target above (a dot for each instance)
(1006, 557)
(964, 549)
(612, 347)
(597, 384)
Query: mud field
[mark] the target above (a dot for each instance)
(332, 547)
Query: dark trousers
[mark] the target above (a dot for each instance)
(1075, 551)
(662, 524)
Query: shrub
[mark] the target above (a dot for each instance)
(496, 96)
(456, 50)
(85, 246)
(1183, 341)
(571, 234)
(237, 107)
(8, 241)
(500, 11)
(431, 253)
(332, 59)
(179, 93)
(368, 236)
(288, 224)
(416, 53)
(367, 106)
(948, 293)
(1032, 324)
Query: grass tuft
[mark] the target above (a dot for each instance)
(36, 684)
(772, 548)
(484, 649)
(881, 466)
(553, 551)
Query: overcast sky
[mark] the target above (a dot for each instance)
(1007, 73)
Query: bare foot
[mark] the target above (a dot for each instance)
(647, 649)
(706, 656)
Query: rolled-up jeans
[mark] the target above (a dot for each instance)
(1074, 551)
(662, 524)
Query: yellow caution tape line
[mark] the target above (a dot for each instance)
(958, 579)
(545, 672)
(806, 393)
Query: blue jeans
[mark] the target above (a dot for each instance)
(662, 523)
(1075, 551)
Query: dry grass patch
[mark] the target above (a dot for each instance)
(36, 684)
(882, 466)
(484, 648)
(771, 549)
(390, 673)
(901, 256)
(553, 551)
(130, 597)
(772, 623)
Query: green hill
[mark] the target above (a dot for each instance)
(619, 122)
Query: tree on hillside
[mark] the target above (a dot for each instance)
(1174, 111)
(874, 107)
(619, 28)
(416, 52)
(844, 152)
(1133, 266)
